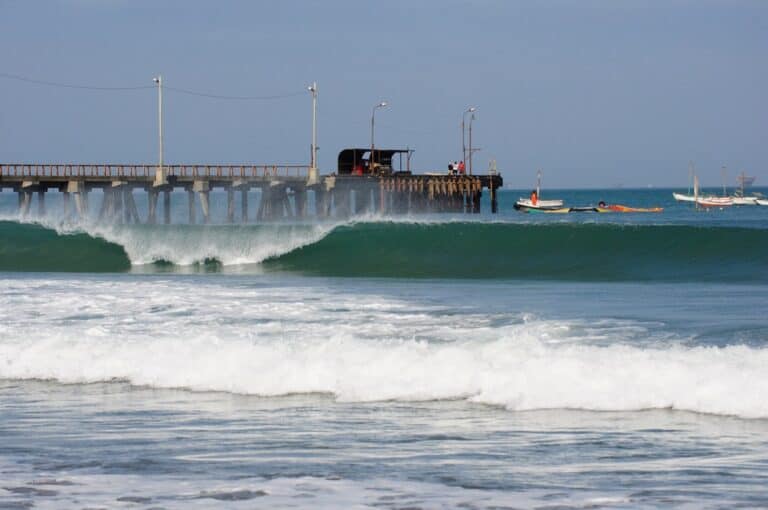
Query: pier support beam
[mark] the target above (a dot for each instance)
(191, 205)
(25, 201)
(152, 206)
(300, 202)
(230, 205)
(66, 206)
(321, 202)
(77, 188)
(167, 206)
(41, 203)
(202, 188)
(244, 204)
(131, 211)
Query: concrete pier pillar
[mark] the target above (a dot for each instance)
(66, 205)
(204, 205)
(41, 202)
(321, 205)
(117, 198)
(202, 188)
(25, 201)
(152, 206)
(81, 205)
(244, 204)
(105, 210)
(130, 214)
(191, 206)
(80, 193)
(167, 206)
(230, 205)
(283, 203)
(300, 202)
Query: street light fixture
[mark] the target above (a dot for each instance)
(160, 173)
(471, 109)
(313, 90)
(382, 104)
(471, 150)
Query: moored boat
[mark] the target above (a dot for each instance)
(680, 197)
(540, 205)
(742, 200)
(534, 203)
(712, 201)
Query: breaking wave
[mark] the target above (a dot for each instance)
(574, 251)
(518, 373)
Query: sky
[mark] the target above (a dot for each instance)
(595, 93)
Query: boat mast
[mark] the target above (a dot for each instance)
(723, 170)
(690, 176)
(538, 183)
(695, 191)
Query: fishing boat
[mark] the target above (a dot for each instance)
(742, 200)
(626, 209)
(534, 203)
(680, 197)
(740, 197)
(713, 201)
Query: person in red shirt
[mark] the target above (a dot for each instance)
(461, 168)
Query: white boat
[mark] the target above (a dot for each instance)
(762, 201)
(680, 197)
(712, 201)
(741, 200)
(541, 205)
(534, 203)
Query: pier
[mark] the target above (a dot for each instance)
(283, 192)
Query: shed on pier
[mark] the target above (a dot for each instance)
(359, 161)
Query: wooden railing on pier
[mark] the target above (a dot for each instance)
(148, 171)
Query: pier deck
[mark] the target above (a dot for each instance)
(283, 190)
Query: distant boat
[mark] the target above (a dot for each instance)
(712, 201)
(762, 201)
(680, 197)
(535, 204)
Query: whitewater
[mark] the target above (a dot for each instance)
(439, 362)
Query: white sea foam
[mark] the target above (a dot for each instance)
(517, 373)
(360, 346)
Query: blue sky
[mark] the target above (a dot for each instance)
(596, 93)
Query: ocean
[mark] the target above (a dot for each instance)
(425, 362)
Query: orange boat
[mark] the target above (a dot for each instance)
(626, 209)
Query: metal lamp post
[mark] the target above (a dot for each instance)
(471, 150)
(313, 164)
(160, 173)
(471, 109)
(382, 104)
